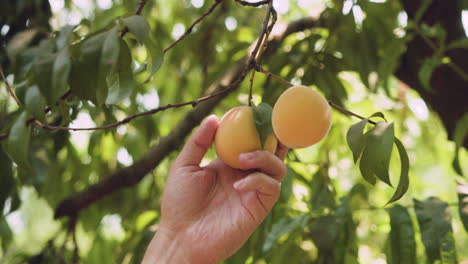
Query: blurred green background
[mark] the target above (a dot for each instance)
(356, 54)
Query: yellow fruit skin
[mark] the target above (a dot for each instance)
(301, 117)
(237, 134)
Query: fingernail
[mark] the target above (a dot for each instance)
(246, 156)
(238, 184)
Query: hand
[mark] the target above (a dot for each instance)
(209, 212)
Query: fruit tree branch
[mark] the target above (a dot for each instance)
(150, 112)
(131, 175)
(257, 4)
(189, 29)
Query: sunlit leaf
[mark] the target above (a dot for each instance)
(110, 49)
(138, 26)
(403, 183)
(402, 244)
(376, 155)
(356, 139)
(156, 56)
(17, 144)
(20, 41)
(459, 136)
(120, 81)
(262, 119)
(434, 220)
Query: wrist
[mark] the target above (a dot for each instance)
(166, 247)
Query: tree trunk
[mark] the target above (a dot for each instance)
(449, 91)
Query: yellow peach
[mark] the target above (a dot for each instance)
(301, 117)
(237, 134)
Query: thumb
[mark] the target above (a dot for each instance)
(198, 143)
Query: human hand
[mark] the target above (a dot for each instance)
(209, 212)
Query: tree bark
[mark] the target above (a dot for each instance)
(449, 91)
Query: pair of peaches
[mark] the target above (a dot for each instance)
(300, 118)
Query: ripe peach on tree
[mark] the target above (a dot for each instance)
(301, 117)
(238, 134)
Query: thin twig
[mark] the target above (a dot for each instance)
(252, 77)
(257, 4)
(12, 94)
(189, 30)
(130, 118)
(262, 35)
(347, 112)
(261, 45)
(267, 73)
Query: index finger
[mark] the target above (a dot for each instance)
(265, 162)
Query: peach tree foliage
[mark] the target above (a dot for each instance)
(111, 66)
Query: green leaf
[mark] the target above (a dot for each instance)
(462, 191)
(287, 186)
(138, 26)
(262, 119)
(108, 59)
(60, 75)
(336, 233)
(90, 71)
(356, 138)
(102, 250)
(425, 72)
(156, 56)
(459, 135)
(6, 236)
(35, 103)
(376, 155)
(17, 144)
(7, 182)
(282, 227)
(43, 70)
(403, 183)
(458, 44)
(110, 49)
(434, 220)
(19, 42)
(322, 191)
(63, 38)
(120, 81)
(402, 241)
